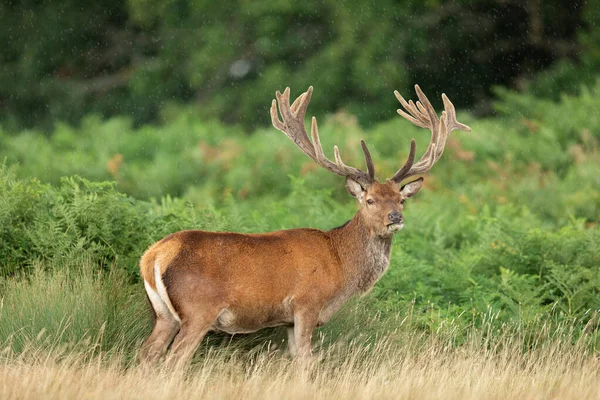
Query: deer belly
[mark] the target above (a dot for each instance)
(246, 320)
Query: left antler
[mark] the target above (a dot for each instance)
(293, 127)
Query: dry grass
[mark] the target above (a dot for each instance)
(356, 372)
(63, 341)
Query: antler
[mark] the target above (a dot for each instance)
(423, 115)
(293, 127)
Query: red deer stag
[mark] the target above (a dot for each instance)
(239, 283)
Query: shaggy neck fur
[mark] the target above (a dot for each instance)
(365, 256)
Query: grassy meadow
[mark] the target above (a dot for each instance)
(493, 290)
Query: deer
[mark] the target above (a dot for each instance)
(198, 281)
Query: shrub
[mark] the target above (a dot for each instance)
(78, 218)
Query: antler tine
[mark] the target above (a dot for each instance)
(434, 125)
(440, 144)
(340, 163)
(275, 117)
(303, 104)
(316, 141)
(338, 158)
(407, 107)
(408, 164)
(426, 103)
(453, 124)
(284, 103)
(423, 114)
(293, 122)
(368, 159)
(293, 127)
(297, 103)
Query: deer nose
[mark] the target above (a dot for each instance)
(395, 217)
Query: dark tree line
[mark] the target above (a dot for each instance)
(62, 59)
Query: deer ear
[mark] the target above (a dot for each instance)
(411, 188)
(355, 189)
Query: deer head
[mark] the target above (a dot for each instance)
(381, 203)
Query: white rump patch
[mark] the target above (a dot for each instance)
(159, 298)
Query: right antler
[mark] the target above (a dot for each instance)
(293, 127)
(423, 115)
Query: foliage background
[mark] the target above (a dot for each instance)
(125, 121)
(64, 59)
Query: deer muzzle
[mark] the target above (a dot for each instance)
(396, 221)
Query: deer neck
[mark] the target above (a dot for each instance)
(364, 255)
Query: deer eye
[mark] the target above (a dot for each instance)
(370, 201)
(402, 201)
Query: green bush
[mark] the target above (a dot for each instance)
(80, 219)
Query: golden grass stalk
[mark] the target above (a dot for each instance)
(356, 371)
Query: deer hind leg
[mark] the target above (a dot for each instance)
(166, 326)
(193, 329)
(156, 345)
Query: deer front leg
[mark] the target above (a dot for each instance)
(291, 341)
(304, 326)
